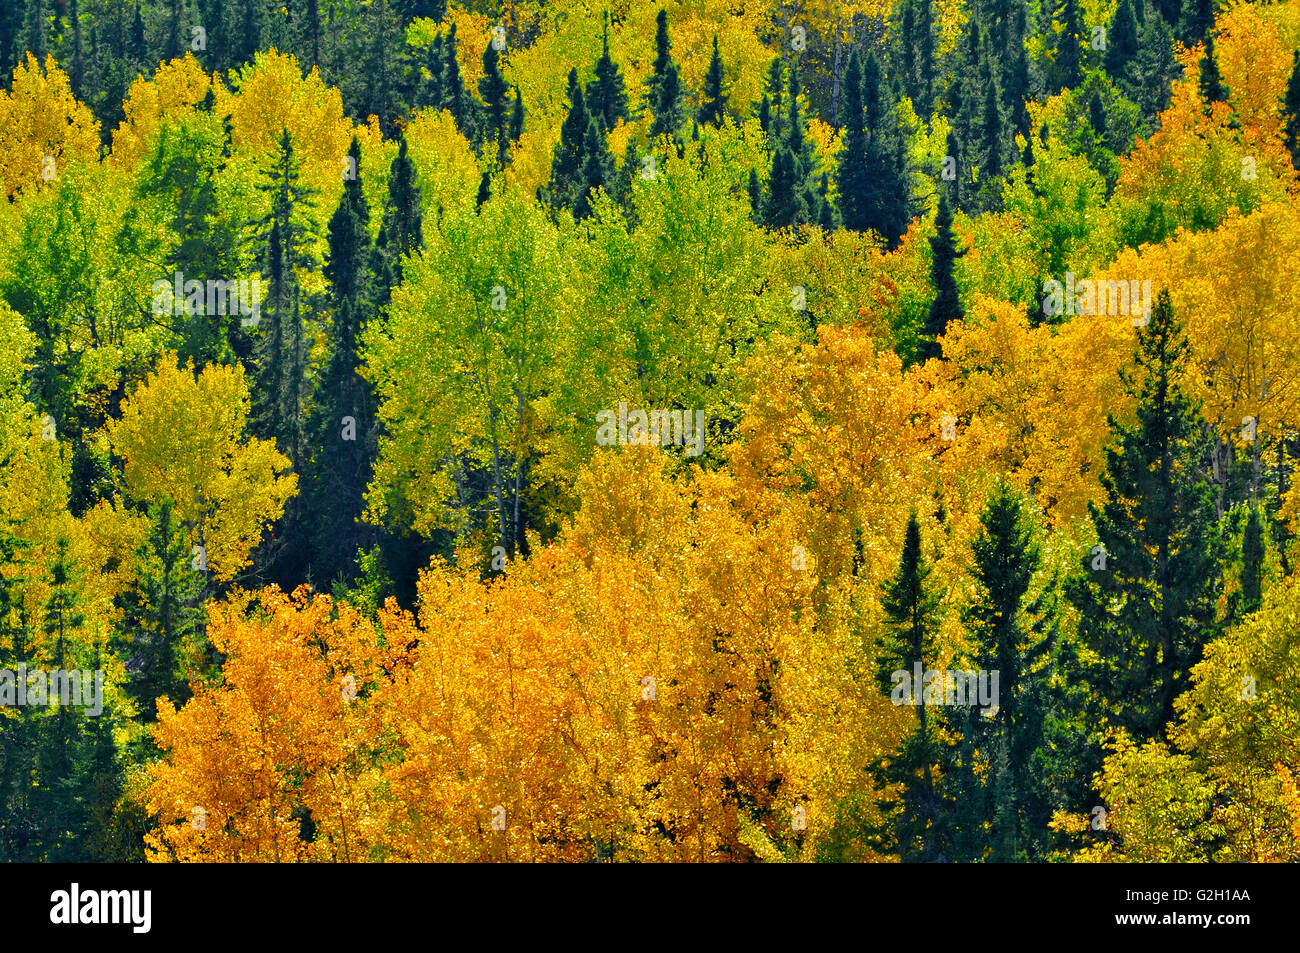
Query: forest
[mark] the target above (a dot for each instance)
(613, 431)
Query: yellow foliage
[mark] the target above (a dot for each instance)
(181, 436)
(42, 127)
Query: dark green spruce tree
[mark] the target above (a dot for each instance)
(946, 306)
(714, 104)
(664, 87)
(597, 168)
(401, 231)
(1122, 40)
(1067, 67)
(1014, 641)
(1291, 112)
(911, 607)
(495, 93)
(1195, 21)
(1148, 614)
(607, 93)
(569, 158)
(343, 431)
(1150, 74)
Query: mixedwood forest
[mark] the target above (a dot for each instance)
(698, 430)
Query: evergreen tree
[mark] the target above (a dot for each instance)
(925, 58)
(607, 94)
(349, 235)
(287, 235)
(517, 117)
(994, 147)
(381, 96)
(569, 158)
(909, 637)
(163, 614)
(173, 45)
(311, 33)
(1252, 562)
(1291, 112)
(953, 151)
(494, 90)
(786, 203)
(597, 168)
(77, 74)
(1195, 21)
(852, 176)
(714, 104)
(1148, 614)
(880, 186)
(1068, 65)
(434, 10)
(401, 232)
(344, 434)
(1017, 80)
(1151, 73)
(664, 87)
(250, 33)
(1014, 641)
(455, 97)
(38, 30)
(1122, 41)
(906, 47)
(1209, 80)
(946, 306)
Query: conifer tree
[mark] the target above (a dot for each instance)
(1122, 40)
(250, 33)
(851, 174)
(311, 32)
(517, 117)
(401, 232)
(607, 93)
(568, 160)
(77, 72)
(1152, 71)
(381, 95)
(1017, 79)
(597, 168)
(1148, 614)
(946, 306)
(163, 613)
(1015, 641)
(494, 90)
(1209, 81)
(1291, 112)
(287, 235)
(714, 104)
(434, 92)
(994, 144)
(925, 58)
(911, 608)
(1068, 65)
(456, 99)
(38, 30)
(343, 431)
(172, 45)
(1195, 21)
(664, 87)
(1252, 562)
